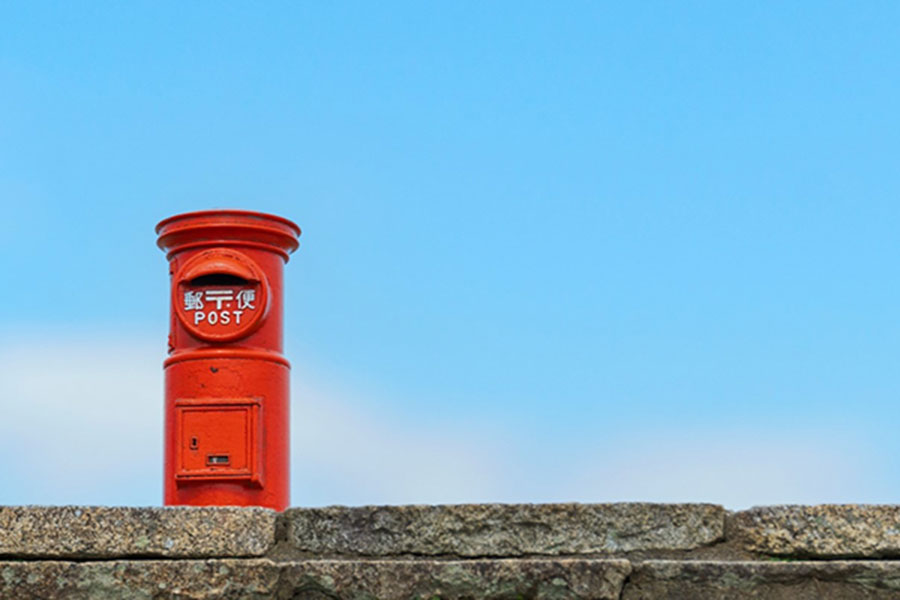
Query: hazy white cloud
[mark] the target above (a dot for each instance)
(81, 423)
(737, 468)
(362, 457)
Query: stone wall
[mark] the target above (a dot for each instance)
(624, 551)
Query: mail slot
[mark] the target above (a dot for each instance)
(226, 378)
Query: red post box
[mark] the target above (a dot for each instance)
(226, 379)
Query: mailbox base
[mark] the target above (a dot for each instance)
(227, 430)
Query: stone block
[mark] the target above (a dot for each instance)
(824, 531)
(503, 530)
(111, 532)
(813, 580)
(257, 579)
(541, 579)
(251, 579)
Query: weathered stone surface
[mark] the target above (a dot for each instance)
(503, 529)
(698, 580)
(825, 531)
(102, 532)
(252, 579)
(314, 579)
(555, 579)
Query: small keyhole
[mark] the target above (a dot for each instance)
(194, 443)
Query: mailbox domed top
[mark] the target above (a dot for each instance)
(227, 226)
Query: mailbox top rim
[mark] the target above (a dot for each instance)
(225, 213)
(204, 228)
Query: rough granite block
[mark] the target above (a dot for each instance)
(824, 531)
(534, 579)
(503, 530)
(315, 579)
(253, 579)
(701, 580)
(102, 532)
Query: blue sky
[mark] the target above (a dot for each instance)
(551, 251)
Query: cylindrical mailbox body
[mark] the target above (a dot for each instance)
(227, 407)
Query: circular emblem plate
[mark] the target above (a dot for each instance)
(220, 295)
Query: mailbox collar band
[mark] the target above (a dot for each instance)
(225, 353)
